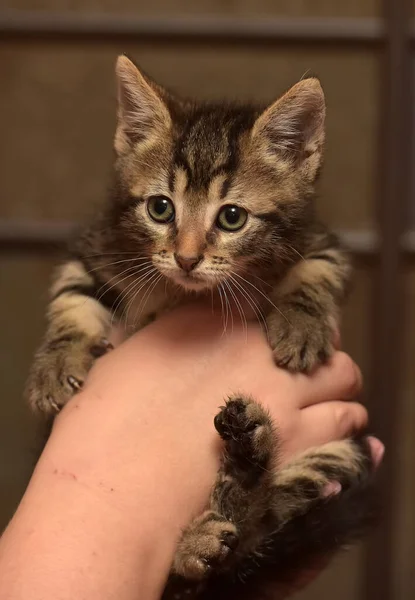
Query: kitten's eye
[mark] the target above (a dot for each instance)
(231, 218)
(160, 209)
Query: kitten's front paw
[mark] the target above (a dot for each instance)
(206, 544)
(300, 341)
(60, 368)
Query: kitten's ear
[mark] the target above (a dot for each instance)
(293, 126)
(141, 110)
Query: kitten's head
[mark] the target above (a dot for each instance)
(209, 190)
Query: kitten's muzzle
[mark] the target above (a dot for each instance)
(187, 263)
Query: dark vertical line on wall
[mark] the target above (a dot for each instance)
(388, 294)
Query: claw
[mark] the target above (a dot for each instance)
(102, 348)
(229, 539)
(219, 426)
(107, 344)
(206, 563)
(74, 383)
(53, 403)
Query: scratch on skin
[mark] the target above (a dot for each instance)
(65, 473)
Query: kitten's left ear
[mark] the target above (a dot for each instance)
(142, 112)
(293, 126)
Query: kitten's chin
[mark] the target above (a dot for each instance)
(192, 284)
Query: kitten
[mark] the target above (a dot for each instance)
(219, 197)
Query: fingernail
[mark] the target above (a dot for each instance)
(377, 449)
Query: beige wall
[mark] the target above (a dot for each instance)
(59, 112)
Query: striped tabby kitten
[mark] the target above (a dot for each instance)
(219, 197)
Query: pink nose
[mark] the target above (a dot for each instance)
(187, 263)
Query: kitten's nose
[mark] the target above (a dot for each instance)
(187, 263)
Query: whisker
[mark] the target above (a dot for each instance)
(117, 262)
(296, 251)
(135, 270)
(221, 308)
(239, 307)
(144, 297)
(129, 289)
(262, 280)
(228, 303)
(115, 253)
(148, 279)
(253, 304)
(147, 295)
(135, 290)
(132, 295)
(132, 285)
(262, 294)
(99, 296)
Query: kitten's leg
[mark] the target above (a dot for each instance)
(78, 326)
(321, 502)
(240, 495)
(253, 504)
(320, 473)
(308, 299)
(250, 484)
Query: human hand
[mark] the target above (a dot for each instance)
(174, 375)
(132, 458)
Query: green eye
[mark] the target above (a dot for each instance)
(160, 209)
(231, 218)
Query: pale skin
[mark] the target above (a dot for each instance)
(132, 458)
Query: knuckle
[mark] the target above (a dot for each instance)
(349, 417)
(343, 419)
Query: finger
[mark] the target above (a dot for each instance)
(339, 378)
(330, 421)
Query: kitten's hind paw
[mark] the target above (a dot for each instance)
(206, 544)
(247, 431)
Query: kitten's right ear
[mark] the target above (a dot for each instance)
(142, 113)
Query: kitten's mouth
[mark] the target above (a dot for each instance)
(191, 281)
(194, 280)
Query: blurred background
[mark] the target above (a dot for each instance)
(57, 119)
